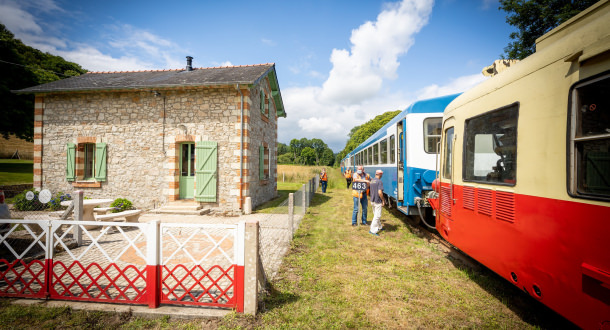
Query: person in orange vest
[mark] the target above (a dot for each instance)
(359, 194)
(348, 177)
(323, 180)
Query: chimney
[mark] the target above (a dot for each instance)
(189, 63)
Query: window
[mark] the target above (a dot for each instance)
(263, 162)
(383, 151)
(86, 161)
(432, 134)
(88, 150)
(369, 155)
(590, 139)
(448, 160)
(375, 154)
(392, 149)
(264, 103)
(490, 147)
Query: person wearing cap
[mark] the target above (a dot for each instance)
(360, 196)
(377, 201)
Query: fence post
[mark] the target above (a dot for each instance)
(78, 216)
(153, 267)
(248, 206)
(251, 264)
(304, 198)
(291, 215)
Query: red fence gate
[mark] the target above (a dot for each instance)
(135, 263)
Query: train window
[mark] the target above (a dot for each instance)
(392, 149)
(383, 151)
(448, 161)
(375, 154)
(432, 134)
(369, 156)
(590, 138)
(490, 147)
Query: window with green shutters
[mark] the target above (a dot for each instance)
(261, 163)
(91, 165)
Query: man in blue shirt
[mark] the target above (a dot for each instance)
(377, 201)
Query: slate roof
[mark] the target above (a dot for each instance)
(92, 81)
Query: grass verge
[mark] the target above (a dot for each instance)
(339, 276)
(15, 171)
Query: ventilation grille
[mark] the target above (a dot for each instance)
(485, 201)
(446, 200)
(469, 198)
(505, 206)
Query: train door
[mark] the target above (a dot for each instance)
(400, 163)
(447, 174)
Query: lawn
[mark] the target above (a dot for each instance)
(338, 276)
(15, 171)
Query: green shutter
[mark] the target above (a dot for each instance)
(100, 161)
(261, 162)
(206, 160)
(71, 162)
(262, 102)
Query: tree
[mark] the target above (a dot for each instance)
(23, 66)
(327, 158)
(319, 146)
(533, 18)
(365, 130)
(282, 149)
(308, 156)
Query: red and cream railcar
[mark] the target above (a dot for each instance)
(525, 171)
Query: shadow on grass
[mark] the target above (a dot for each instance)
(274, 298)
(521, 303)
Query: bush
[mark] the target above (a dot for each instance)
(55, 203)
(121, 204)
(22, 204)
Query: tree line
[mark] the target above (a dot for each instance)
(23, 66)
(305, 152)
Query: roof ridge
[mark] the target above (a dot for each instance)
(167, 70)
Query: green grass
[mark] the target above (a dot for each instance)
(15, 171)
(336, 276)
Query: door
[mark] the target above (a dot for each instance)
(447, 173)
(207, 171)
(400, 164)
(187, 170)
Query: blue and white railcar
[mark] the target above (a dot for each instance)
(406, 150)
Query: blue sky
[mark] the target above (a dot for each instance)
(339, 63)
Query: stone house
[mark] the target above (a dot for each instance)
(153, 137)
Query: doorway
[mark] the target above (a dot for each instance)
(187, 170)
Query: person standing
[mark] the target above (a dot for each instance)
(323, 180)
(360, 196)
(348, 177)
(377, 201)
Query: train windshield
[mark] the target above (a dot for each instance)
(590, 117)
(490, 148)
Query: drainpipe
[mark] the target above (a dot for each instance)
(241, 148)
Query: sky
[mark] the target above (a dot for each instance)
(339, 63)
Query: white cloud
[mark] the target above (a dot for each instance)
(358, 74)
(353, 92)
(122, 47)
(268, 42)
(457, 85)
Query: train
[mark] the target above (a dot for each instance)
(406, 149)
(523, 180)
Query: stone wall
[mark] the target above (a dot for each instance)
(143, 132)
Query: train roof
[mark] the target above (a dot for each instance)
(579, 39)
(436, 104)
